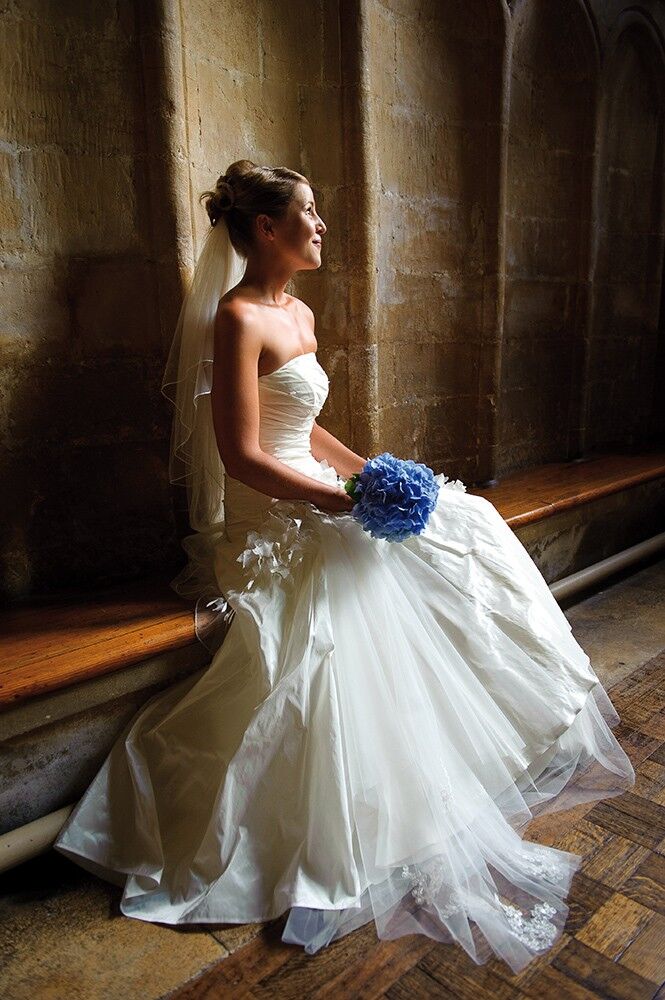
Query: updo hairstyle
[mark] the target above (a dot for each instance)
(245, 191)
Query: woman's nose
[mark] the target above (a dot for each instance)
(321, 226)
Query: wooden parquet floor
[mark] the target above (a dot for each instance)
(613, 945)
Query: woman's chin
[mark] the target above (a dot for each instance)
(312, 263)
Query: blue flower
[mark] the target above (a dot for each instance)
(394, 497)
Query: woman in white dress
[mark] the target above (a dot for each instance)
(382, 719)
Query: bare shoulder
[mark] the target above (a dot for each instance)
(236, 317)
(236, 310)
(238, 341)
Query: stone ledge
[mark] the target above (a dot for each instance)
(51, 707)
(51, 746)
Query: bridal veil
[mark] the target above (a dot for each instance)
(194, 459)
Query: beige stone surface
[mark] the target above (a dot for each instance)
(623, 625)
(62, 934)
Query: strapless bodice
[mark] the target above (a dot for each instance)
(290, 399)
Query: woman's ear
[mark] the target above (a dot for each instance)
(264, 225)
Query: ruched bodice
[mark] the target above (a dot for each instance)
(290, 399)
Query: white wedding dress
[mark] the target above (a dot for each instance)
(379, 725)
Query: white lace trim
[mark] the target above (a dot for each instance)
(426, 885)
(535, 929)
(547, 868)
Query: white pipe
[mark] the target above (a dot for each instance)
(36, 837)
(32, 839)
(606, 567)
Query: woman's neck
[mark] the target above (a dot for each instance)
(267, 283)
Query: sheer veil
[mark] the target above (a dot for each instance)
(194, 459)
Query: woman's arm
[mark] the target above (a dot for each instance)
(326, 445)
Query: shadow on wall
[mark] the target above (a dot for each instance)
(550, 168)
(582, 348)
(86, 498)
(89, 499)
(626, 356)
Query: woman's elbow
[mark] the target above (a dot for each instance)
(237, 463)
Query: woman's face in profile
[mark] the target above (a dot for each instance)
(301, 230)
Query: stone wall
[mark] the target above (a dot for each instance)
(490, 294)
(83, 424)
(263, 80)
(582, 347)
(551, 113)
(434, 75)
(625, 375)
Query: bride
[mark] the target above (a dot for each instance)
(382, 719)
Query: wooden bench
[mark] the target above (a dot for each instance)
(49, 646)
(533, 494)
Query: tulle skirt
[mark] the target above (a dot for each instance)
(369, 742)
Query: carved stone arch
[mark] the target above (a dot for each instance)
(516, 8)
(625, 352)
(551, 116)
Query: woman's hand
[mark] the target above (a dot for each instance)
(337, 503)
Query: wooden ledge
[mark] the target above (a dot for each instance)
(51, 645)
(533, 494)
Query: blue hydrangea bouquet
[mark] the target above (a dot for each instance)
(394, 497)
